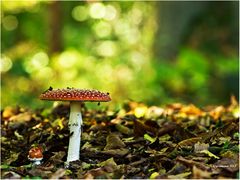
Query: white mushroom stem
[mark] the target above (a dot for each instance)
(35, 161)
(74, 124)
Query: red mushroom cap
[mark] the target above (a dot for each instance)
(35, 153)
(72, 94)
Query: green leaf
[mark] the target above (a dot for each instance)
(4, 166)
(209, 154)
(165, 137)
(149, 138)
(236, 135)
(86, 165)
(154, 175)
(226, 144)
(68, 172)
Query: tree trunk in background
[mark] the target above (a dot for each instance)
(173, 19)
(211, 28)
(55, 41)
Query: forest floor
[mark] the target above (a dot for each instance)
(137, 141)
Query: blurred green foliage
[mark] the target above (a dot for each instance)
(108, 46)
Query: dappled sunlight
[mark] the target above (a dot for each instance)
(123, 73)
(10, 22)
(111, 13)
(40, 60)
(68, 59)
(103, 29)
(16, 6)
(97, 10)
(108, 46)
(128, 34)
(68, 75)
(80, 13)
(44, 74)
(138, 60)
(106, 72)
(5, 63)
(36, 62)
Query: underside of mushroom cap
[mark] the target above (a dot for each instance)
(73, 94)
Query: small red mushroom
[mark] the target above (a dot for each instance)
(75, 96)
(35, 155)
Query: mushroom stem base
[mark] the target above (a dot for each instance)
(75, 122)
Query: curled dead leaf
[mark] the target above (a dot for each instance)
(22, 117)
(190, 141)
(10, 175)
(114, 142)
(217, 112)
(200, 146)
(191, 110)
(58, 174)
(141, 128)
(192, 163)
(116, 152)
(200, 174)
(9, 112)
(123, 129)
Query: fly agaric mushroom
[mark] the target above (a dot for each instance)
(35, 155)
(76, 97)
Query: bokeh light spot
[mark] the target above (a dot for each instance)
(40, 60)
(136, 16)
(107, 48)
(111, 13)
(10, 22)
(69, 74)
(97, 10)
(44, 73)
(5, 63)
(140, 111)
(18, 6)
(80, 13)
(106, 72)
(103, 29)
(121, 27)
(123, 72)
(137, 59)
(132, 37)
(68, 59)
